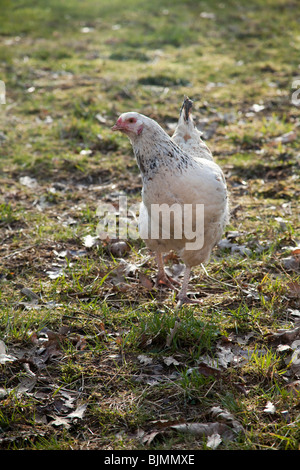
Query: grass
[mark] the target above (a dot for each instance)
(83, 322)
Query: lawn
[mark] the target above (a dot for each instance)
(92, 354)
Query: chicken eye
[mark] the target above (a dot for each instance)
(131, 120)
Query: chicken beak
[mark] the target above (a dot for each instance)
(119, 126)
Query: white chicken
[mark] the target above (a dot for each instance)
(183, 185)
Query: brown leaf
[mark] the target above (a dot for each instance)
(145, 281)
(209, 371)
(292, 262)
(285, 336)
(294, 289)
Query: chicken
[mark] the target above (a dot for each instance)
(179, 187)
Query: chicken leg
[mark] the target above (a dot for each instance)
(162, 278)
(182, 296)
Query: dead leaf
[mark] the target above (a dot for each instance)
(294, 289)
(66, 421)
(285, 336)
(292, 262)
(209, 371)
(176, 271)
(171, 256)
(147, 439)
(145, 359)
(78, 413)
(257, 107)
(230, 419)
(54, 273)
(4, 357)
(100, 118)
(126, 269)
(60, 421)
(145, 281)
(216, 431)
(196, 429)
(171, 361)
(26, 385)
(226, 243)
(29, 182)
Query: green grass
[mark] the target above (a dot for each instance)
(70, 69)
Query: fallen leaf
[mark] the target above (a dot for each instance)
(208, 371)
(294, 289)
(60, 421)
(78, 413)
(4, 357)
(26, 385)
(145, 359)
(147, 439)
(171, 361)
(207, 15)
(86, 152)
(292, 262)
(126, 269)
(285, 336)
(28, 182)
(100, 118)
(230, 419)
(145, 281)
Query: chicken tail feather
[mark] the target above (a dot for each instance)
(186, 108)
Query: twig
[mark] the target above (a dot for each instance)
(17, 252)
